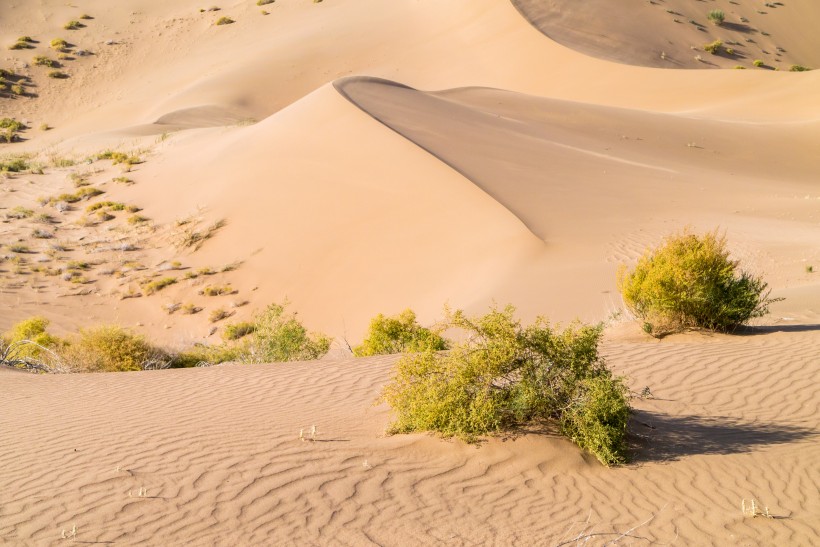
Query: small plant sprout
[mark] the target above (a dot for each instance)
(69, 534)
(752, 509)
(809, 268)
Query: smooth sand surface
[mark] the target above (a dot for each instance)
(361, 156)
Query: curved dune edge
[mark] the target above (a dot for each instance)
(212, 456)
(671, 34)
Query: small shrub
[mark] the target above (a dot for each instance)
(264, 2)
(398, 334)
(190, 309)
(714, 47)
(19, 248)
(42, 234)
(137, 219)
(690, 282)
(505, 375)
(110, 205)
(219, 315)
(59, 44)
(216, 290)
(757, 63)
(42, 60)
(235, 331)
(19, 212)
(57, 75)
(33, 330)
(73, 25)
(716, 17)
(224, 21)
(798, 68)
(155, 286)
(112, 349)
(279, 336)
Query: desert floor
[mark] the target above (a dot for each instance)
(360, 157)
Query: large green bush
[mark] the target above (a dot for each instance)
(279, 336)
(503, 375)
(111, 348)
(690, 282)
(31, 339)
(399, 334)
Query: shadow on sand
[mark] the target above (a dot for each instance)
(659, 437)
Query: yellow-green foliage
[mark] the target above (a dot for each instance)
(20, 212)
(224, 21)
(398, 334)
(504, 374)
(86, 192)
(33, 330)
(73, 25)
(206, 355)
(109, 205)
(217, 290)
(13, 164)
(279, 336)
(110, 349)
(690, 282)
(713, 47)
(716, 16)
(119, 157)
(235, 331)
(798, 68)
(42, 60)
(58, 44)
(155, 286)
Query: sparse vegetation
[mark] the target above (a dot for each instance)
(504, 375)
(264, 2)
(235, 331)
(217, 290)
(798, 68)
(9, 127)
(716, 17)
(57, 75)
(58, 44)
(218, 315)
(757, 63)
(690, 282)
(42, 60)
(279, 336)
(224, 21)
(73, 25)
(157, 285)
(19, 212)
(398, 334)
(714, 47)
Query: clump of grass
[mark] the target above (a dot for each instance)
(190, 309)
(224, 21)
(714, 47)
(86, 192)
(504, 375)
(119, 157)
(42, 60)
(22, 44)
(9, 127)
(798, 68)
(109, 205)
(73, 25)
(192, 237)
(219, 314)
(14, 164)
(398, 334)
(57, 75)
(716, 17)
(58, 44)
(19, 248)
(137, 219)
(112, 349)
(19, 213)
(123, 180)
(152, 287)
(690, 282)
(42, 234)
(809, 269)
(235, 331)
(217, 290)
(758, 63)
(264, 2)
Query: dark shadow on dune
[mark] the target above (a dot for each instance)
(738, 27)
(770, 329)
(658, 437)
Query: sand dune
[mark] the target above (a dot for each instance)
(361, 156)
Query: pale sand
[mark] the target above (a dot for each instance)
(406, 154)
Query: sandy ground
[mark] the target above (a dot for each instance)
(357, 157)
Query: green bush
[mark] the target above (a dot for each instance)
(714, 47)
(758, 63)
(112, 349)
(504, 375)
(690, 282)
(398, 334)
(798, 68)
(716, 17)
(224, 21)
(235, 331)
(33, 330)
(279, 336)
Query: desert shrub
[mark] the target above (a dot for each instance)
(112, 349)
(757, 63)
(505, 375)
(20, 212)
(59, 44)
(31, 330)
(716, 17)
(264, 2)
(218, 315)
(201, 355)
(137, 219)
(279, 336)
(690, 282)
(398, 334)
(42, 60)
(73, 25)
(152, 287)
(224, 21)
(798, 68)
(713, 47)
(217, 290)
(119, 157)
(57, 75)
(235, 331)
